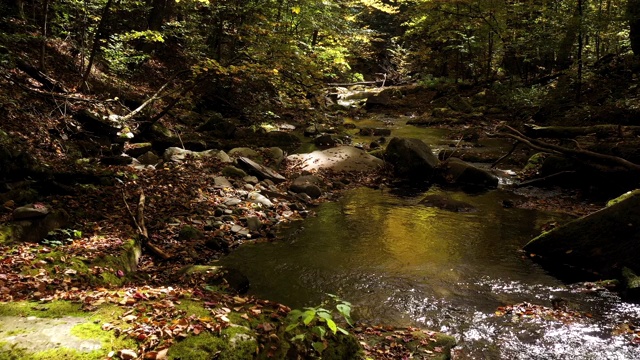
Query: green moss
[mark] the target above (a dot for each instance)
(622, 197)
(109, 341)
(188, 232)
(192, 307)
(6, 234)
(535, 161)
(206, 346)
(53, 309)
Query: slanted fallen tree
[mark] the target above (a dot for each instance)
(589, 158)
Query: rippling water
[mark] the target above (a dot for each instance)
(402, 263)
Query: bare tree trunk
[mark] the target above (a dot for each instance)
(43, 47)
(580, 48)
(101, 33)
(633, 13)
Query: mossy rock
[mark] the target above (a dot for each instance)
(58, 330)
(236, 343)
(189, 232)
(234, 172)
(622, 197)
(535, 162)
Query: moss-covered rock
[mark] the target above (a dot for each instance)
(189, 232)
(604, 241)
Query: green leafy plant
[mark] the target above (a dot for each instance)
(61, 237)
(314, 325)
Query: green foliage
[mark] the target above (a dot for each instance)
(311, 326)
(61, 237)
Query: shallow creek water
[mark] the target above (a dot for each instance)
(402, 263)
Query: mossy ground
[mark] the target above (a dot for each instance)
(89, 327)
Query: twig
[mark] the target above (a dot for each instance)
(513, 148)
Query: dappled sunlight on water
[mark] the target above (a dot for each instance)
(402, 263)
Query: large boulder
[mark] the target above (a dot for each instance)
(342, 158)
(32, 223)
(412, 158)
(604, 241)
(458, 172)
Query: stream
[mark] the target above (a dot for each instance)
(402, 263)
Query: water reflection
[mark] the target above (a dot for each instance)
(402, 263)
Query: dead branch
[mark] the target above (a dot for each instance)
(583, 155)
(138, 221)
(153, 98)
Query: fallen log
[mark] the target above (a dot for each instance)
(570, 132)
(48, 82)
(589, 157)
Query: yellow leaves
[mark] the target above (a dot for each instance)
(379, 5)
(295, 10)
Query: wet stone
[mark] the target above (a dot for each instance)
(236, 228)
(232, 202)
(221, 182)
(254, 223)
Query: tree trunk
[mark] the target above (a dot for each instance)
(633, 13)
(101, 33)
(43, 46)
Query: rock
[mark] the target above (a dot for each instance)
(342, 158)
(604, 241)
(137, 149)
(375, 132)
(189, 233)
(411, 158)
(30, 211)
(254, 223)
(232, 201)
(33, 229)
(221, 182)
(458, 103)
(216, 276)
(176, 154)
(631, 283)
(236, 228)
(217, 243)
(456, 171)
(260, 171)
(250, 179)
(148, 158)
(281, 139)
(276, 154)
(218, 126)
(307, 184)
(218, 154)
(325, 141)
(245, 152)
(96, 123)
(234, 172)
(159, 132)
(446, 203)
(258, 198)
(116, 160)
(441, 113)
(317, 129)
